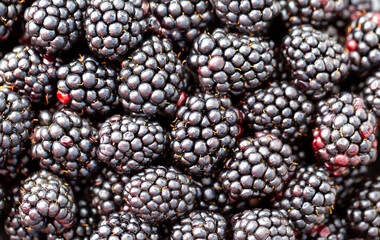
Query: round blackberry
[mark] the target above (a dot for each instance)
(232, 63)
(130, 144)
(317, 63)
(200, 225)
(259, 166)
(371, 93)
(55, 25)
(307, 199)
(354, 9)
(47, 203)
(10, 10)
(280, 109)
(344, 133)
(113, 27)
(160, 193)
(88, 86)
(65, 144)
(204, 133)
(261, 224)
(247, 16)
(16, 167)
(31, 73)
(334, 229)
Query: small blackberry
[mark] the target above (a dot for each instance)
(10, 10)
(88, 86)
(344, 133)
(113, 27)
(161, 193)
(152, 79)
(200, 225)
(55, 25)
(371, 93)
(232, 63)
(65, 144)
(261, 224)
(317, 63)
(334, 229)
(47, 203)
(280, 109)
(204, 132)
(16, 167)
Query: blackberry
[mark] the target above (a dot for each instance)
(354, 9)
(152, 79)
(160, 193)
(55, 25)
(66, 144)
(280, 109)
(259, 166)
(232, 63)
(16, 167)
(47, 203)
(125, 225)
(247, 16)
(334, 229)
(317, 63)
(10, 10)
(345, 133)
(200, 225)
(31, 73)
(371, 93)
(129, 144)
(307, 198)
(88, 86)
(113, 27)
(203, 133)
(261, 224)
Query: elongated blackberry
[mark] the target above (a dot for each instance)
(10, 11)
(161, 193)
(344, 133)
(88, 86)
(55, 25)
(152, 79)
(66, 144)
(335, 229)
(261, 224)
(232, 63)
(113, 27)
(317, 63)
(371, 93)
(204, 132)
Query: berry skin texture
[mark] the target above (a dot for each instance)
(371, 93)
(10, 10)
(335, 229)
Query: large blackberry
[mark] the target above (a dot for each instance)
(334, 229)
(232, 63)
(152, 79)
(113, 27)
(200, 225)
(307, 199)
(31, 73)
(65, 143)
(261, 224)
(345, 133)
(371, 92)
(129, 144)
(280, 109)
(88, 86)
(317, 63)
(47, 203)
(55, 25)
(161, 193)
(204, 133)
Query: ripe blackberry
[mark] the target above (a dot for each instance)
(232, 63)
(200, 225)
(371, 93)
(88, 86)
(307, 198)
(55, 25)
(152, 79)
(160, 193)
(334, 229)
(247, 16)
(317, 63)
(16, 167)
(113, 27)
(344, 133)
(280, 109)
(47, 203)
(10, 10)
(31, 73)
(16, 122)
(125, 225)
(354, 9)
(66, 144)
(204, 132)
(261, 224)
(259, 166)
